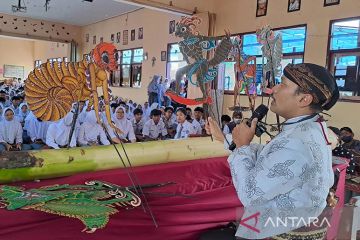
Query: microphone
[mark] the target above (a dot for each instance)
(259, 113)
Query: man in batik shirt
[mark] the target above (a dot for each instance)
(289, 178)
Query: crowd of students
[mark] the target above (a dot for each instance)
(132, 122)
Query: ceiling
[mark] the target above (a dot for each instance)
(74, 12)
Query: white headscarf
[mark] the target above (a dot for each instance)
(28, 119)
(123, 124)
(91, 118)
(22, 115)
(10, 131)
(119, 122)
(36, 129)
(92, 128)
(64, 128)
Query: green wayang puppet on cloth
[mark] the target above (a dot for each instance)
(91, 203)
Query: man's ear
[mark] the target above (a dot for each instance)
(305, 100)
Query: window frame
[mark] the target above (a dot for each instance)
(37, 63)
(132, 64)
(285, 55)
(168, 57)
(167, 72)
(330, 54)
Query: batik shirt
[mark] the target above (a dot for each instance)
(287, 179)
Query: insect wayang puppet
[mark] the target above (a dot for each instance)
(52, 88)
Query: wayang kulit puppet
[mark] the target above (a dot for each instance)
(193, 47)
(272, 52)
(92, 203)
(245, 76)
(52, 88)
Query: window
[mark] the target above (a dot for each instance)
(175, 60)
(37, 63)
(293, 52)
(128, 73)
(344, 55)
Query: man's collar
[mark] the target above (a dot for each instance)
(293, 122)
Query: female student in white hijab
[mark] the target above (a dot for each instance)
(124, 125)
(11, 133)
(36, 130)
(128, 112)
(23, 113)
(58, 133)
(91, 132)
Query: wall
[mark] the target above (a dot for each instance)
(37, 29)
(237, 16)
(24, 52)
(43, 50)
(190, 5)
(17, 52)
(155, 39)
(240, 17)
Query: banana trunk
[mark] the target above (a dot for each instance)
(43, 164)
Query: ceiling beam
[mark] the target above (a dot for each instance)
(158, 6)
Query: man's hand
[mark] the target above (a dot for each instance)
(213, 128)
(243, 134)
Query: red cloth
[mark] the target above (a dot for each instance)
(213, 202)
(340, 192)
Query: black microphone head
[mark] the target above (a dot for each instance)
(260, 112)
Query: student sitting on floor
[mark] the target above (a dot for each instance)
(36, 129)
(154, 129)
(196, 125)
(199, 116)
(91, 133)
(138, 124)
(124, 125)
(184, 128)
(58, 133)
(169, 121)
(11, 133)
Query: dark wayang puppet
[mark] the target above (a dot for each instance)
(193, 47)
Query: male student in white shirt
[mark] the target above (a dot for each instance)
(154, 129)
